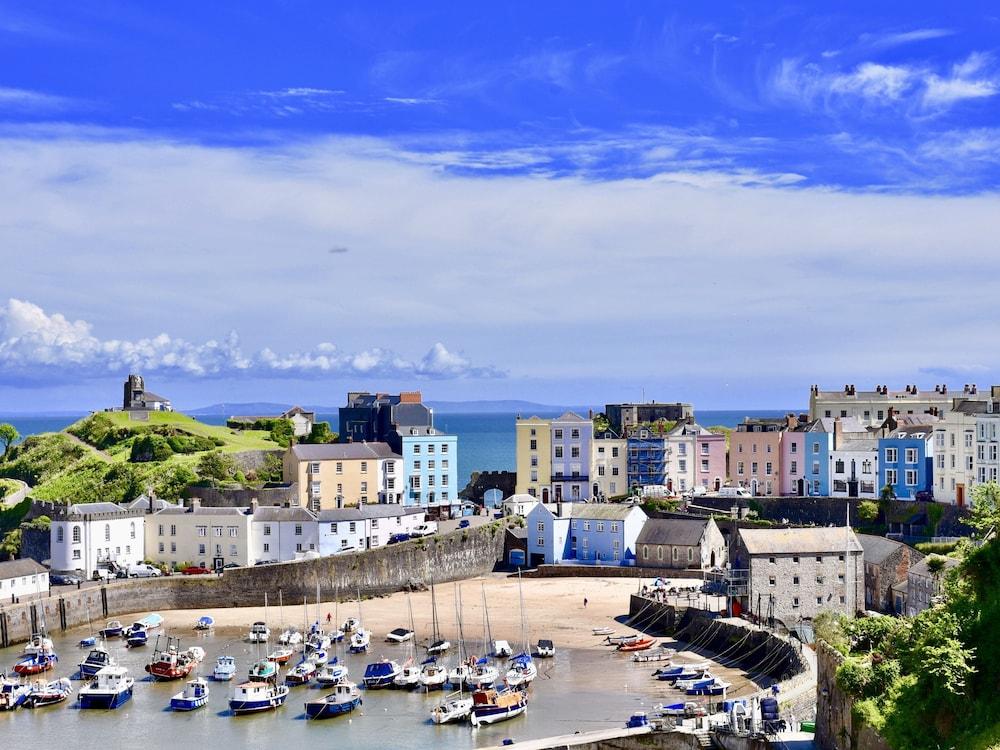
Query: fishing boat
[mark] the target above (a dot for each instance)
(399, 635)
(36, 664)
(170, 663)
(259, 633)
(263, 670)
(660, 654)
(360, 640)
(194, 695)
(640, 645)
(110, 688)
(493, 705)
(97, 659)
(685, 709)
(345, 698)
(225, 668)
(205, 622)
(281, 655)
(43, 694)
(381, 674)
(39, 643)
(302, 673)
(433, 676)
(112, 630)
(715, 686)
(603, 631)
(254, 697)
(545, 649)
(455, 707)
(331, 674)
(12, 693)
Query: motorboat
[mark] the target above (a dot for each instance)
(433, 676)
(194, 695)
(702, 678)
(603, 631)
(48, 693)
(39, 643)
(318, 641)
(398, 635)
(97, 659)
(640, 645)
(290, 637)
(263, 671)
(12, 693)
(259, 633)
(455, 707)
(493, 705)
(660, 654)
(545, 649)
(483, 674)
(345, 698)
(680, 672)
(281, 655)
(36, 664)
(171, 663)
(381, 674)
(110, 688)
(618, 640)
(205, 622)
(408, 677)
(319, 657)
(350, 625)
(137, 636)
(502, 649)
(145, 624)
(685, 709)
(89, 642)
(715, 686)
(438, 647)
(331, 674)
(302, 673)
(225, 668)
(254, 697)
(113, 629)
(522, 670)
(459, 674)
(360, 640)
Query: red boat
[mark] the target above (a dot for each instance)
(640, 645)
(36, 664)
(171, 663)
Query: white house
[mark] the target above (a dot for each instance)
(282, 534)
(22, 578)
(87, 536)
(519, 505)
(547, 526)
(367, 527)
(854, 469)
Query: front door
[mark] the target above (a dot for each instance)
(960, 495)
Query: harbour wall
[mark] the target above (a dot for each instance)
(450, 557)
(836, 727)
(609, 571)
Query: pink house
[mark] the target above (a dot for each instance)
(710, 467)
(757, 453)
(793, 460)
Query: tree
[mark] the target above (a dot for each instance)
(8, 436)
(283, 432)
(888, 493)
(216, 466)
(985, 507)
(321, 433)
(10, 545)
(867, 510)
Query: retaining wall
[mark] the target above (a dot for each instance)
(835, 725)
(222, 497)
(451, 557)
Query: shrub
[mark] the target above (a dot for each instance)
(150, 448)
(282, 432)
(854, 676)
(867, 510)
(937, 548)
(216, 466)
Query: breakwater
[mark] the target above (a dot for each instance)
(449, 557)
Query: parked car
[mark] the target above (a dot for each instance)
(734, 492)
(464, 523)
(924, 496)
(397, 538)
(425, 529)
(64, 580)
(697, 491)
(227, 566)
(195, 570)
(102, 574)
(143, 570)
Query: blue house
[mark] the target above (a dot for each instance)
(818, 445)
(430, 465)
(906, 461)
(548, 533)
(583, 532)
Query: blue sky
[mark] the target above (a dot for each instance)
(564, 202)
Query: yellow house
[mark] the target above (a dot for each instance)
(344, 475)
(534, 457)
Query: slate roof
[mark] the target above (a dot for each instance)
(685, 532)
(277, 515)
(18, 568)
(342, 451)
(913, 431)
(799, 541)
(921, 569)
(91, 509)
(878, 548)
(150, 396)
(142, 503)
(602, 511)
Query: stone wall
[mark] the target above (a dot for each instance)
(608, 571)
(835, 725)
(451, 557)
(36, 544)
(240, 497)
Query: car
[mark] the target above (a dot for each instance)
(227, 566)
(143, 570)
(102, 574)
(924, 496)
(265, 562)
(397, 538)
(65, 580)
(195, 570)
(464, 523)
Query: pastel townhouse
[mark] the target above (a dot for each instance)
(955, 451)
(906, 461)
(281, 534)
(854, 468)
(338, 475)
(605, 533)
(572, 436)
(86, 537)
(647, 458)
(792, 462)
(365, 527)
(534, 457)
(609, 466)
(694, 457)
(822, 437)
(755, 455)
(547, 528)
(988, 441)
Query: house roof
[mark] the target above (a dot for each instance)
(298, 410)
(342, 451)
(856, 446)
(603, 511)
(523, 497)
(913, 431)
(91, 509)
(381, 510)
(802, 541)
(23, 567)
(686, 532)
(571, 416)
(276, 515)
(150, 396)
(921, 569)
(142, 503)
(878, 548)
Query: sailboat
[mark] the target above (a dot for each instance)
(259, 632)
(484, 673)
(360, 638)
(523, 669)
(332, 673)
(409, 674)
(438, 644)
(456, 706)
(458, 675)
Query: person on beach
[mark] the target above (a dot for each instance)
(584, 602)
(329, 618)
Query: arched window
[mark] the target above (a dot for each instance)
(107, 532)
(645, 552)
(76, 535)
(132, 529)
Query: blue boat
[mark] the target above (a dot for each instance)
(345, 698)
(194, 695)
(679, 673)
(254, 697)
(381, 674)
(708, 687)
(112, 630)
(110, 688)
(88, 642)
(96, 660)
(137, 636)
(12, 693)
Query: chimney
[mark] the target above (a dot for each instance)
(253, 505)
(194, 503)
(791, 421)
(838, 432)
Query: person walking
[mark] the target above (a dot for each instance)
(584, 602)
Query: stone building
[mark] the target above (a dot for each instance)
(887, 563)
(922, 585)
(137, 398)
(623, 418)
(680, 543)
(794, 574)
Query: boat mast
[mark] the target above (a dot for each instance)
(524, 621)
(435, 634)
(413, 630)
(488, 632)
(461, 635)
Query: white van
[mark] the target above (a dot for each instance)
(143, 570)
(735, 492)
(425, 529)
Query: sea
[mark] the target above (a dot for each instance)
(486, 442)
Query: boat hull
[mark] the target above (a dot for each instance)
(240, 708)
(187, 704)
(495, 714)
(167, 674)
(324, 710)
(378, 683)
(41, 701)
(106, 701)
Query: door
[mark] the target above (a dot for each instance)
(960, 495)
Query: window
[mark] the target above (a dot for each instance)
(364, 467)
(815, 471)
(416, 448)
(795, 602)
(314, 467)
(430, 448)
(201, 549)
(76, 554)
(60, 534)
(333, 528)
(815, 448)
(132, 530)
(298, 529)
(574, 452)
(819, 579)
(351, 527)
(298, 547)
(202, 531)
(430, 465)
(600, 471)
(911, 455)
(614, 527)
(173, 530)
(675, 555)
(161, 546)
(559, 451)
(314, 489)
(390, 467)
(659, 552)
(739, 468)
(795, 580)
(340, 467)
(682, 465)
(267, 530)
(107, 532)
(541, 527)
(891, 455)
(267, 547)
(390, 483)
(911, 478)
(600, 526)
(891, 476)
(444, 447)
(364, 486)
(704, 465)
(173, 547)
(431, 480)
(771, 560)
(795, 559)
(586, 525)
(819, 600)
(690, 552)
(533, 445)
(767, 468)
(753, 467)
(415, 482)
(534, 475)
(540, 542)
(819, 559)
(444, 464)
(838, 467)
(233, 550)
(160, 533)
(614, 473)
(704, 449)
(794, 466)
(557, 434)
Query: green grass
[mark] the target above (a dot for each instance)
(235, 440)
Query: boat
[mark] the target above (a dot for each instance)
(263, 670)
(640, 645)
(302, 673)
(502, 649)
(12, 693)
(381, 674)
(360, 640)
(205, 622)
(619, 640)
(331, 674)
(483, 674)
(399, 635)
(137, 636)
(492, 705)
(455, 707)
(317, 641)
(254, 697)
(545, 649)
(409, 675)
(433, 676)
(350, 625)
(703, 678)
(522, 670)
(660, 654)
(112, 630)
(603, 631)
(461, 671)
(680, 672)
(685, 709)
(39, 643)
(259, 633)
(170, 663)
(43, 694)
(110, 688)
(194, 695)
(714, 686)
(225, 668)
(147, 623)
(97, 659)
(290, 637)
(281, 655)
(345, 698)
(36, 664)
(89, 642)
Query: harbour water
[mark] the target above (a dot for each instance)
(578, 690)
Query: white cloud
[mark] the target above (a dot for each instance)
(34, 343)
(896, 39)
(410, 100)
(26, 100)
(874, 81)
(969, 79)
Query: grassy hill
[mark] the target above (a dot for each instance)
(114, 456)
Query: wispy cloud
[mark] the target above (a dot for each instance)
(411, 100)
(970, 79)
(898, 38)
(34, 343)
(26, 100)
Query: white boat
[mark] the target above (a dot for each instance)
(38, 645)
(433, 676)
(225, 668)
(205, 622)
(455, 707)
(438, 647)
(522, 670)
(254, 697)
(408, 677)
(345, 698)
(302, 673)
(660, 654)
(13, 693)
(194, 695)
(483, 674)
(459, 674)
(48, 693)
(259, 633)
(502, 649)
(110, 688)
(545, 649)
(290, 637)
(399, 635)
(685, 708)
(350, 625)
(622, 640)
(332, 673)
(603, 631)
(360, 640)
(281, 655)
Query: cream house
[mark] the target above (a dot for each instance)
(344, 475)
(196, 535)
